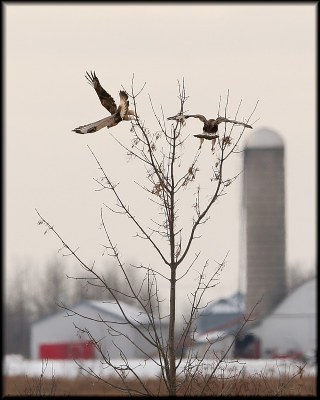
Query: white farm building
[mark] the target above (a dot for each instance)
(287, 331)
(64, 335)
(291, 327)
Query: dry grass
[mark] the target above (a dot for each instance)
(86, 386)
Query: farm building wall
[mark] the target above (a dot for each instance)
(291, 327)
(59, 328)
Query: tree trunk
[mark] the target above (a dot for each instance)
(172, 350)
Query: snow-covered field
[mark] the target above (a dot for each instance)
(16, 365)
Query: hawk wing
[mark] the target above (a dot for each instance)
(240, 123)
(179, 118)
(108, 122)
(199, 116)
(106, 99)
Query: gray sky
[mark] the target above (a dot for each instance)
(259, 52)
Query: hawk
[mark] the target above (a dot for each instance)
(118, 114)
(210, 126)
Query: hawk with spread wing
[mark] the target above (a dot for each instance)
(210, 126)
(118, 114)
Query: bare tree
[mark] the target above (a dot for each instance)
(17, 314)
(29, 297)
(89, 289)
(52, 288)
(168, 177)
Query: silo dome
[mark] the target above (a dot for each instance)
(264, 138)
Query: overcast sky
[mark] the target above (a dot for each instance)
(259, 52)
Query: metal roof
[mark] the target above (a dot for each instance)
(231, 305)
(111, 307)
(104, 307)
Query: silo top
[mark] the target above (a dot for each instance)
(264, 139)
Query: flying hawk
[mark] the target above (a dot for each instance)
(210, 126)
(118, 114)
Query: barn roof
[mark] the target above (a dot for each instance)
(111, 307)
(103, 308)
(231, 305)
(225, 314)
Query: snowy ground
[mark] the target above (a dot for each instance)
(16, 365)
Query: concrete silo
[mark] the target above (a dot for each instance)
(264, 221)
